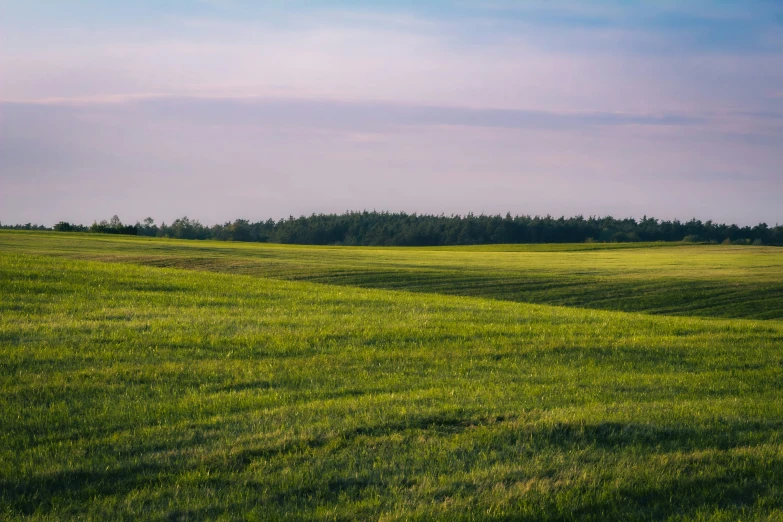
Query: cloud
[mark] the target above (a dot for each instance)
(218, 159)
(363, 115)
(404, 54)
(263, 109)
(339, 114)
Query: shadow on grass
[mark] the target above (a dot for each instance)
(710, 478)
(651, 439)
(28, 495)
(437, 424)
(735, 490)
(207, 513)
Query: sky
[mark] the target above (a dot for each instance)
(226, 109)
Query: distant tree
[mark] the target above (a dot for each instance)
(115, 222)
(387, 228)
(148, 228)
(63, 226)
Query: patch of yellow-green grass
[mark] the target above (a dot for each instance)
(696, 280)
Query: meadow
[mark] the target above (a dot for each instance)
(186, 380)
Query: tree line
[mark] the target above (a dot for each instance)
(402, 229)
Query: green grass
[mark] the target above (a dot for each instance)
(658, 278)
(172, 380)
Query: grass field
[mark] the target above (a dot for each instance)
(175, 380)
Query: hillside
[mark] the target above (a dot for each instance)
(180, 380)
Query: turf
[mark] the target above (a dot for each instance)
(169, 380)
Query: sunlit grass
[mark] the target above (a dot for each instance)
(136, 391)
(659, 278)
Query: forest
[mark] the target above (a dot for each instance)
(402, 229)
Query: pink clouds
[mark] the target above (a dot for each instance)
(575, 111)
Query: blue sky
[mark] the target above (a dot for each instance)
(219, 109)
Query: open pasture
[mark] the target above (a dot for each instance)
(658, 278)
(174, 380)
